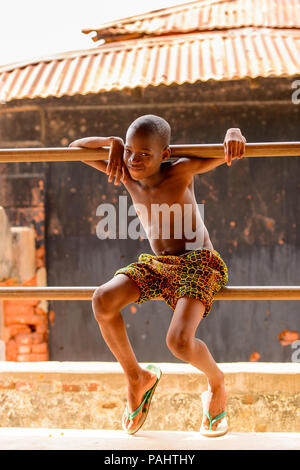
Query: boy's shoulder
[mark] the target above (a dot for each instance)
(176, 172)
(170, 167)
(176, 167)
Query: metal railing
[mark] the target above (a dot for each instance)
(86, 293)
(267, 149)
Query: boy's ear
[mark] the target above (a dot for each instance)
(166, 153)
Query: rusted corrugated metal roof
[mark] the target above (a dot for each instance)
(203, 15)
(164, 59)
(222, 55)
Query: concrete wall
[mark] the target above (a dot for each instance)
(251, 211)
(260, 397)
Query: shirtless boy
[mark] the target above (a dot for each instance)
(185, 278)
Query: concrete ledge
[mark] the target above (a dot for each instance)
(75, 439)
(262, 397)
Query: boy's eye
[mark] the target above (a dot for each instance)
(143, 154)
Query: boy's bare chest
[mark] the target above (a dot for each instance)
(155, 197)
(163, 200)
(168, 194)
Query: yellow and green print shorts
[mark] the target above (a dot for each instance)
(199, 274)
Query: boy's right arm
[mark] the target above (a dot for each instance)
(114, 166)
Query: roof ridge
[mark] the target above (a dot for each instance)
(154, 13)
(201, 15)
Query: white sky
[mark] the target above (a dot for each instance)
(32, 28)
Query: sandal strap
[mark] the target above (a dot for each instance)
(212, 421)
(147, 395)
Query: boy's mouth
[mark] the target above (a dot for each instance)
(135, 167)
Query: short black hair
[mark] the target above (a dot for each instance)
(154, 125)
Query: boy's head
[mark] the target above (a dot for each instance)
(147, 145)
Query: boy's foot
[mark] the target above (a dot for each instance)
(135, 396)
(217, 406)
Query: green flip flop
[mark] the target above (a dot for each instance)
(222, 426)
(145, 405)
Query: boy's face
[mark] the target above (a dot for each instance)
(143, 154)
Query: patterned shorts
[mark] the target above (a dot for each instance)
(199, 274)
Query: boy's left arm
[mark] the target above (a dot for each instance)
(234, 147)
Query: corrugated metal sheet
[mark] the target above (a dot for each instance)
(177, 59)
(204, 15)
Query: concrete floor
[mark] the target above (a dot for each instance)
(87, 439)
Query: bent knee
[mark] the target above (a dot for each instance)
(104, 302)
(178, 342)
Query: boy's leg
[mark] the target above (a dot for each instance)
(183, 344)
(107, 302)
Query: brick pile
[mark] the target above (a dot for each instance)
(25, 327)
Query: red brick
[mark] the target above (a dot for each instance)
(24, 302)
(29, 319)
(13, 330)
(11, 356)
(5, 334)
(23, 357)
(39, 357)
(37, 338)
(11, 345)
(24, 339)
(24, 349)
(24, 386)
(13, 308)
(40, 348)
(31, 302)
(70, 388)
(32, 357)
(41, 328)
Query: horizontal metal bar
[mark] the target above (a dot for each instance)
(266, 149)
(86, 293)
